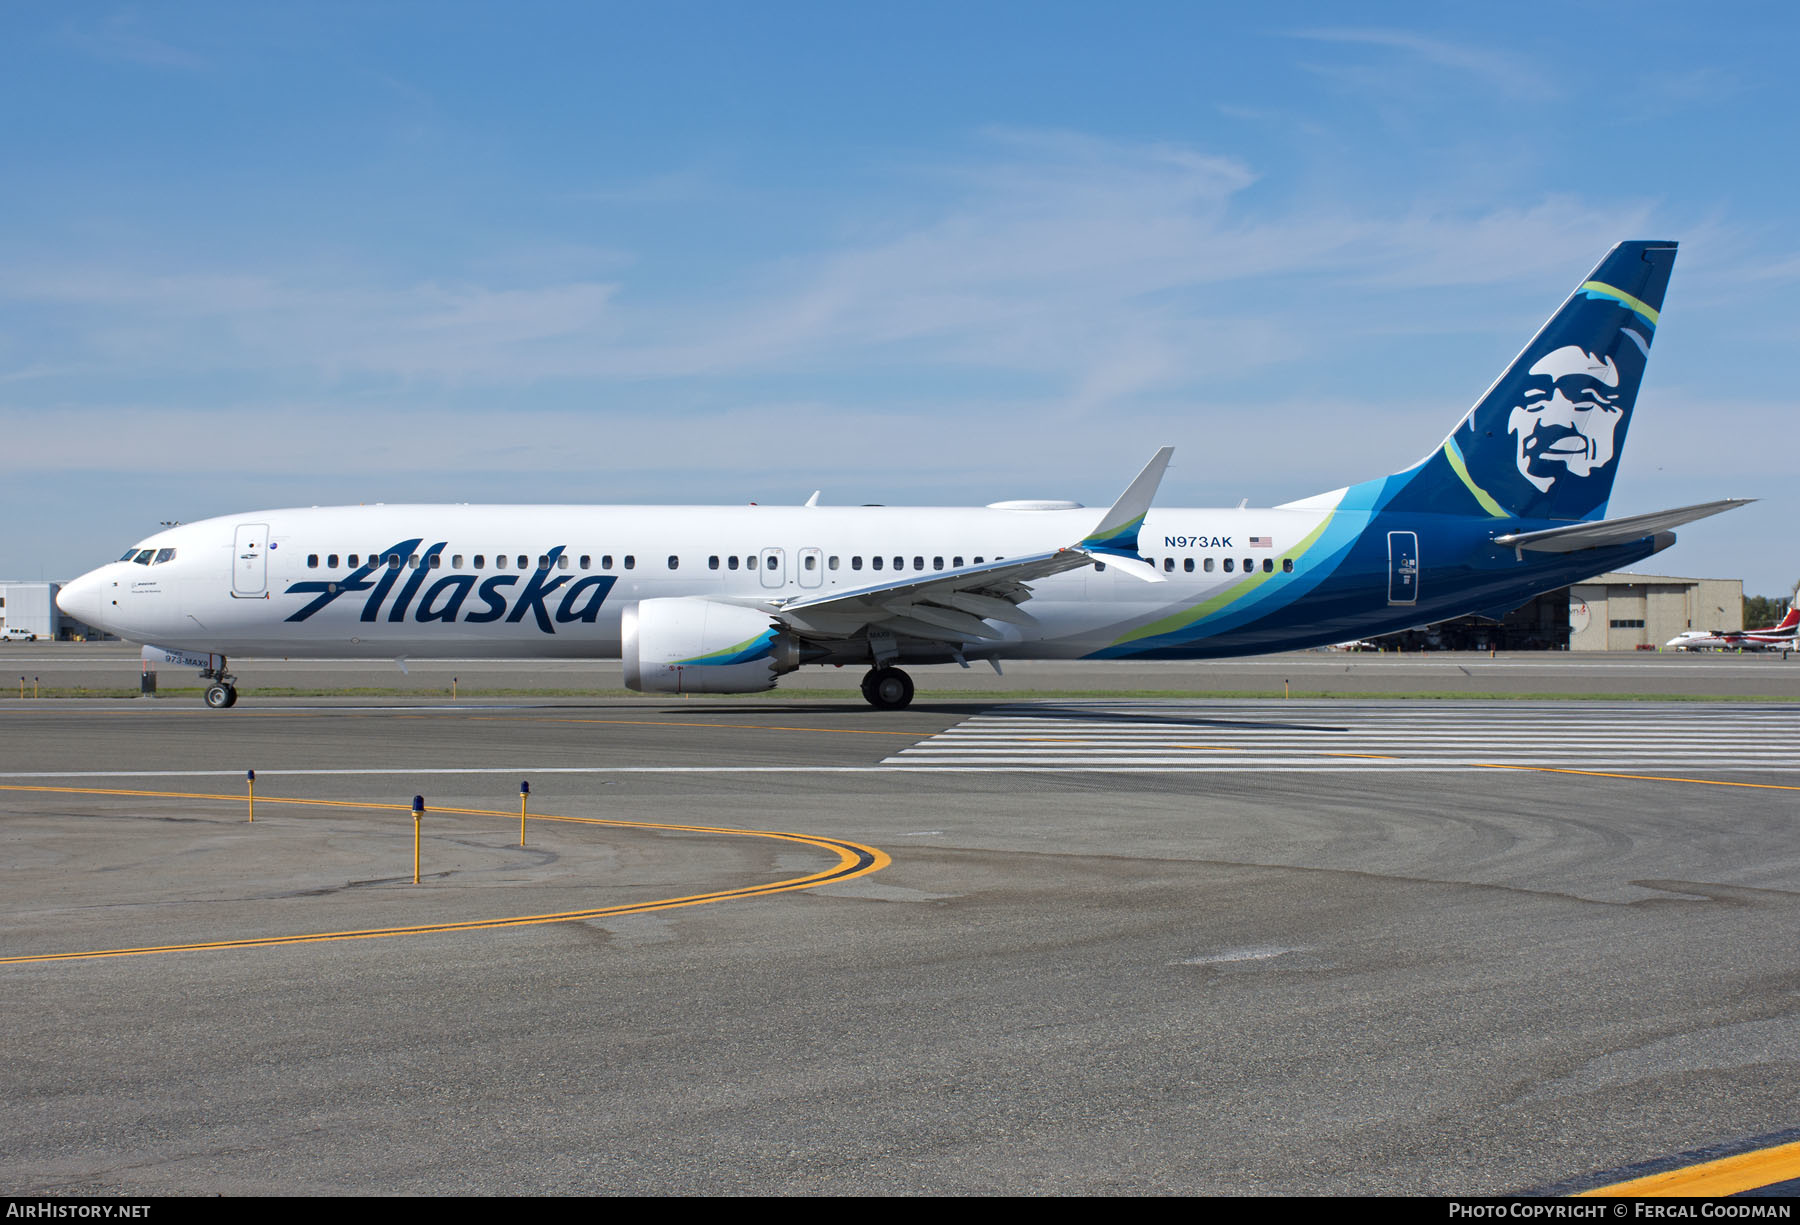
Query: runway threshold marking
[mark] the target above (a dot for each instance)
(854, 860)
(1725, 1176)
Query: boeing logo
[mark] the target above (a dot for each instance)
(574, 602)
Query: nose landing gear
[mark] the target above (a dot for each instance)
(221, 694)
(887, 689)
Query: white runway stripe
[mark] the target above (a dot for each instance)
(1357, 737)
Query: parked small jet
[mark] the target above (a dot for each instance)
(730, 599)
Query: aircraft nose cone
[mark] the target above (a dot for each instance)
(81, 599)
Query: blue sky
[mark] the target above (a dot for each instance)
(263, 255)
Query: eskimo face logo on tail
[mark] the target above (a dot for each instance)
(548, 598)
(1569, 408)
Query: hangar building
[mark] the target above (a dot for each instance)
(1613, 612)
(31, 606)
(1621, 612)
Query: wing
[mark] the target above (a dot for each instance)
(955, 606)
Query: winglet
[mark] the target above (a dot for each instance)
(1117, 534)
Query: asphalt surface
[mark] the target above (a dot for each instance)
(117, 666)
(1423, 970)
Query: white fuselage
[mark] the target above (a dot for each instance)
(462, 580)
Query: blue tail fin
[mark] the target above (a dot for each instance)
(1545, 441)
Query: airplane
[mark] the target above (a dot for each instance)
(1777, 637)
(699, 599)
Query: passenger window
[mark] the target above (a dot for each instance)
(978, 561)
(412, 562)
(606, 561)
(899, 563)
(1228, 565)
(1207, 565)
(731, 562)
(480, 561)
(587, 561)
(712, 563)
(875, 563)
(499, 561)
(1100, 567)
(770, 562)
(1168, 565)
(1287, 565)
(630, 561)
(562, 561)
(831, 563)
(937, 563)
(524, 560)
(1187, 564)
(749, 563)
(1268, 565)
(332, 561)
(674, 562)
(856, 561)
(437, 561)
(918, 563)
(353, 562)
(1249, 565)
(312, 561)
(956, 563)
(811, 562)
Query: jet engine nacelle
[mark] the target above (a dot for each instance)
(702, 646)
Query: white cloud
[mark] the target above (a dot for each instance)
(120, 37)
(1511, 75)
(1099, 271)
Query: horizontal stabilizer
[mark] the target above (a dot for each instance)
(1604, 532)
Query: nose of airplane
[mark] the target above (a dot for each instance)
(82, 599)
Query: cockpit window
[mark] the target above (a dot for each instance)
(144, 556)
(129, 553)
(163, 555)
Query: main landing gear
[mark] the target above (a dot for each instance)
(221, 694)
(887, 689)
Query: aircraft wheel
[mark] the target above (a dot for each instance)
(888, 689)
(219, 697)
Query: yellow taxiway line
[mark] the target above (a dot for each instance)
(1643, 778)
(853, 860)
(1726, 1176)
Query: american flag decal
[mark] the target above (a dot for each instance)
(1262, 542)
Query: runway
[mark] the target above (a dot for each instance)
(1122, 946)
(114, 668)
